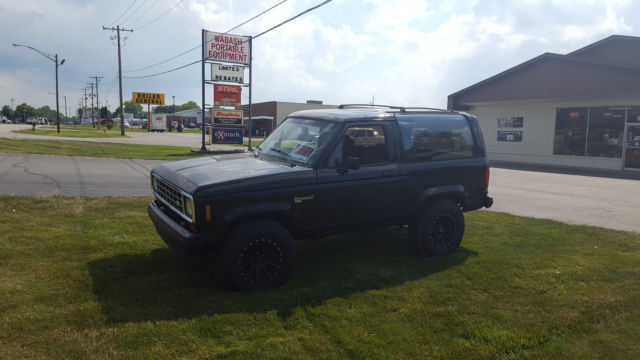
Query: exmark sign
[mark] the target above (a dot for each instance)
(227, 48)
(226, 136)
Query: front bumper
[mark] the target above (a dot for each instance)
(180, 240)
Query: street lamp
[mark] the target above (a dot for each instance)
(53, 58)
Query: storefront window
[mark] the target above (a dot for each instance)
(633, 115)
(571, 131)
(606, 131)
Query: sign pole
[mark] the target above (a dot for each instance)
(148, 117)
(203, 148)
(250, 85)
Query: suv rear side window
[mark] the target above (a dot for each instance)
(435, 137)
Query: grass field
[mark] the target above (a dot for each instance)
(70, 133)
(98, 149)
(89, 278)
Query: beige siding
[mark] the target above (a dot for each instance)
(285, 108)
(538, 132)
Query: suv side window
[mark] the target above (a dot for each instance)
(366, 142)
(436, 137)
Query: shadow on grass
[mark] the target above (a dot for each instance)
(160, 286)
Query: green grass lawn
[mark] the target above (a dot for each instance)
(70, 133)
(98, 149)
(89, 278)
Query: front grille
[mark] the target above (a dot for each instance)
(171, 196)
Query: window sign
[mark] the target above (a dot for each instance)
(510, 136)
(511, 122)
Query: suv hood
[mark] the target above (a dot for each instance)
(230, 173)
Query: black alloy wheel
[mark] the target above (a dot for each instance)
(443, 231)
(259, 254)
(438, 230)
(260, 262)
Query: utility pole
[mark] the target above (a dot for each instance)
(97, 97)
(11, 113)
(117, 30)
(84, 108)
(93, 117)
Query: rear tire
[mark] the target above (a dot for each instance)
(259, 254)
(438, 230)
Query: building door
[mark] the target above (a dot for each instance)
(632, 147)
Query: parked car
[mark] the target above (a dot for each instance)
(424, 168)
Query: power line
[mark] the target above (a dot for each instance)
(164, 72)
(144, 13)
(134, 12)
(262, 33)
(124, 12)
(161, 15)
(293, 18)
(200, 45)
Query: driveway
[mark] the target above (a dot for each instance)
(193, 140)
(575, 198)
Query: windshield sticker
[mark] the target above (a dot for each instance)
(302, 152)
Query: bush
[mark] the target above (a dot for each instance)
(109, 126)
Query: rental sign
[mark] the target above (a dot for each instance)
(227, 48)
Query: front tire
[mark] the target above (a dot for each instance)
(438, 230)
(259, 254)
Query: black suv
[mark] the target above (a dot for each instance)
(323, 172)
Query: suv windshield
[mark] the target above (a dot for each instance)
(297, 140)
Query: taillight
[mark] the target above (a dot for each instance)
(487, 175)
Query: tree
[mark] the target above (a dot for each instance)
(104, 113)
(24, 111)
(6, 112)
(131, 108)
(188, 106)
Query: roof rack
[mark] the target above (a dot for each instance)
(401, 108)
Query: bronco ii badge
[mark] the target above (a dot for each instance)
(299, 199)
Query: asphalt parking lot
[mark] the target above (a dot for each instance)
(576, 197)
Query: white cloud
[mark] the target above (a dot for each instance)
(406, 52)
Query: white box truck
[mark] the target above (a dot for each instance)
(158, 122)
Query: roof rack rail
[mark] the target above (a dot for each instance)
(344, 106)
(426, 108)
(401, 108)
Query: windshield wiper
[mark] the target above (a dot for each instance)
(287, 156)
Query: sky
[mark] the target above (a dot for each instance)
(401, 52)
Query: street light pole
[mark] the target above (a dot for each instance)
(53, 58)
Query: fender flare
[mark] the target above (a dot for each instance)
(443, 191)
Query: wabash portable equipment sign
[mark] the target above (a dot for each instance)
(226, 136)
(227, 48)
(226, 95)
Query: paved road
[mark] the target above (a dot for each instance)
(193, 140)
(571, 198)
(78, 176)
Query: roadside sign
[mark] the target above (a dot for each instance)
(226, 95)
(227, 117)
(227, 48)
(147, 98)
(221, 135)
(227, 73)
